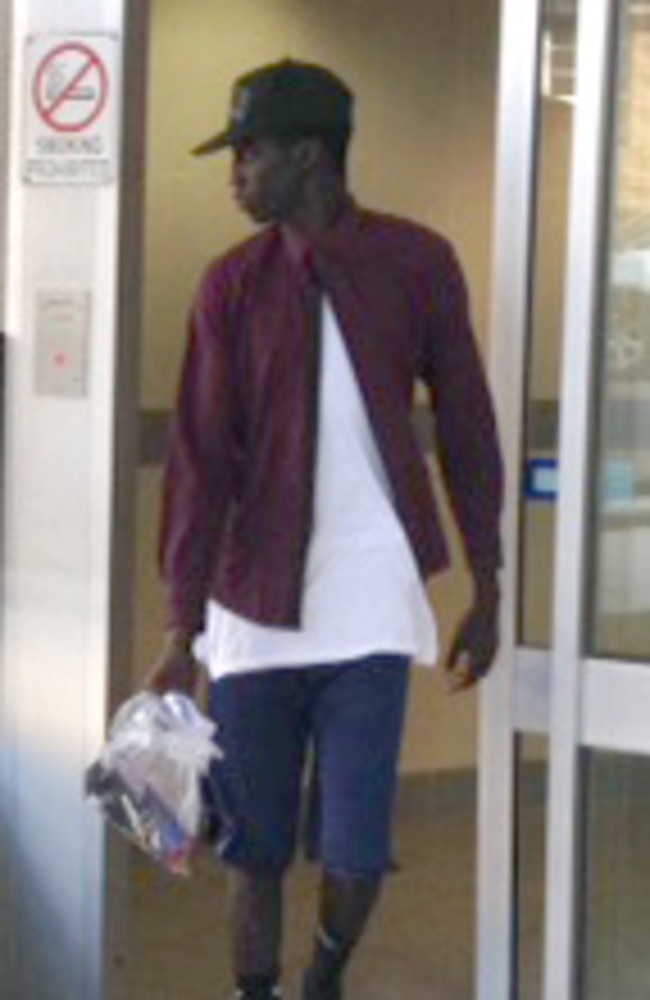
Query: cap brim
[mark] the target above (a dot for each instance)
(215, 144)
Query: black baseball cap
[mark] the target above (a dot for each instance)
(284, 99)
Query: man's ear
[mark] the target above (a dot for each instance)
(307, 152)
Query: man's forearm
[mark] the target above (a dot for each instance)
(180, 638)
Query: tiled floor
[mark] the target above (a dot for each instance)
(419, 946)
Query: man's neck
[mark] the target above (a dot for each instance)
(316, 214)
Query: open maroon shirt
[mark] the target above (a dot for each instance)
(237, 496)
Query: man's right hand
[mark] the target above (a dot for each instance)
(176, 669)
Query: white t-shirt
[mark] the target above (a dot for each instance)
(362, 590)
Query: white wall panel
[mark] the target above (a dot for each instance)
(57, 533)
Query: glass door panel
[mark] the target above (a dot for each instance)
(616, 926)
(530, 812)
(555, 131)
(582, 577)
(620, 581)
(616, 810)
(598, 819)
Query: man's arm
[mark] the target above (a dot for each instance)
(175, 669)
(470, 458)
(197, 482)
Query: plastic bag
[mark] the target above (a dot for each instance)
(147, 780)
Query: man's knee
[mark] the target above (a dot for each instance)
(256, 881)
(347, 900)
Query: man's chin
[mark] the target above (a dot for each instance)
(257, 213)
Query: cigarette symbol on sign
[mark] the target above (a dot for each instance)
(57, 87)
(71, 88)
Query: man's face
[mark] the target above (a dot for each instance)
(266, 178)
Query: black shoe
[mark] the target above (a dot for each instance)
(258, 991)
(313, 990)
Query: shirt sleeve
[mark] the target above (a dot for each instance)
(464, 421)
(198, 471)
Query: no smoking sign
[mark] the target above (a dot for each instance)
(71, 109)
(71, 88)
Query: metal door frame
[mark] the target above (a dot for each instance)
(576, 700)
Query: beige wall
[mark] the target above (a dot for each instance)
(556, 130)
(425, 78)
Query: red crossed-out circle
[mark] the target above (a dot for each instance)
(91, 66)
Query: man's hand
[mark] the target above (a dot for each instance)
(176, 669)
(476, 642)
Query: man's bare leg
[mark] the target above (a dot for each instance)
(346, 902)
(256, 926)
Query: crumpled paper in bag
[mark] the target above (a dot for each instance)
(147, 779)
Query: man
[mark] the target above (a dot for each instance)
(299, 525)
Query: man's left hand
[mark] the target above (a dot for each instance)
(476, 642)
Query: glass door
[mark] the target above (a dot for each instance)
(571, 365)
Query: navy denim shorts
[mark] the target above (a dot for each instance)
(342, 720)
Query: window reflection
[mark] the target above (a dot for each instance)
(616, 903)
(555, 133)
(620, 595)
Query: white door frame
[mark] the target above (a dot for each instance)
(511, 264)
(576, 700)
(67, 529)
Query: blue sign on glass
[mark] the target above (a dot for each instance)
(541, 479)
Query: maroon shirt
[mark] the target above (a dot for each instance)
(237, 498)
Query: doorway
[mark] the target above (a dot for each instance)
(564, 777)
(426, 87)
